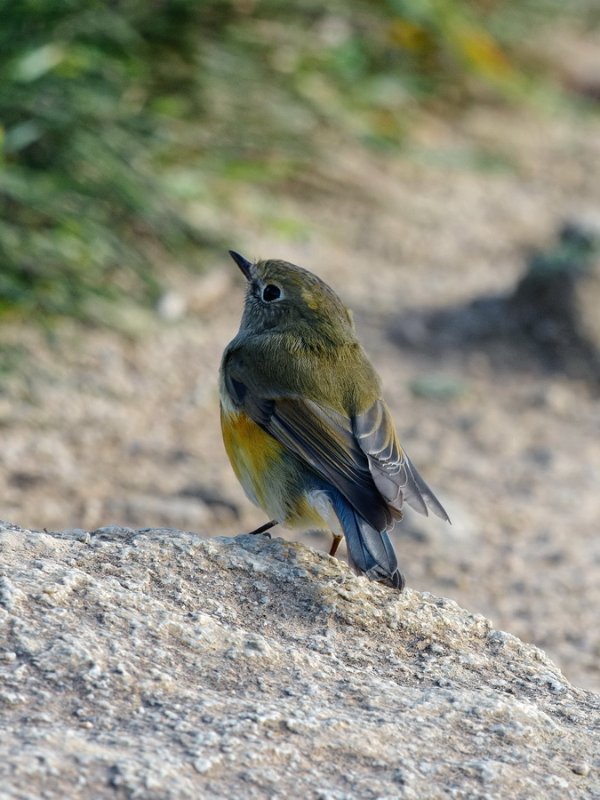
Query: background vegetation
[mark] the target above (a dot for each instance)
(115, 115)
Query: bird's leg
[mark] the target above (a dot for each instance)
(264, 528)
(337, 538)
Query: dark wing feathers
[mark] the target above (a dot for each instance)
(361, 456)
(393, 472)
(426, 496)
(324, 440)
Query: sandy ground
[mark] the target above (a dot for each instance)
(100, 427)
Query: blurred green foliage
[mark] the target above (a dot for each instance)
(114, 114)
(83, 90)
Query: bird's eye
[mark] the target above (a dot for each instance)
(271, 292)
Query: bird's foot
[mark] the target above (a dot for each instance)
(264, 528)
(337, 538)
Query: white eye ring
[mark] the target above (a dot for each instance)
(271, 293)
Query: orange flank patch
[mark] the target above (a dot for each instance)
(253, 453)
(267, 478)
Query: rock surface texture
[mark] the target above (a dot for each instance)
(159, 664)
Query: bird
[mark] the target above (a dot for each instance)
(304, 424)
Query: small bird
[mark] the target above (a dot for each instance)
(304, 425)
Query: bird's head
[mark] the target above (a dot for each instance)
(284, 298)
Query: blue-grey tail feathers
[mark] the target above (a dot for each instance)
(370, 552)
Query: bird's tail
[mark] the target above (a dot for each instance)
(370, 552)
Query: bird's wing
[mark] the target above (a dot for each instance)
(393, 472)
(362, 461)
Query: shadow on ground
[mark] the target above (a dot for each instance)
(549, 321)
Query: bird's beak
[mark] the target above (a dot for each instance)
(243, 264)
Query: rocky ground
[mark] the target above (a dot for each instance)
(121, 425)
(160, 664)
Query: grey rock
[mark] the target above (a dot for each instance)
(159, 664)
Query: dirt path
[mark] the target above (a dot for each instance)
(97, 427)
